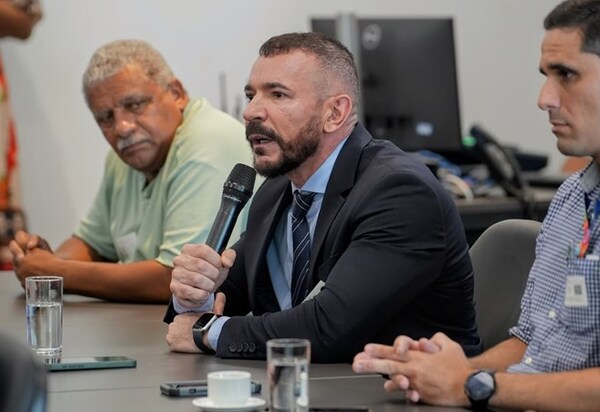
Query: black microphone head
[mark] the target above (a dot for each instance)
(240, 183)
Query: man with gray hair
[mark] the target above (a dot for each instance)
(161, 186)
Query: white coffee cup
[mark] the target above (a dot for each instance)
(228, 388)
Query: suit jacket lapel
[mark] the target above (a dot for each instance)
(256, 248)
(340, 182)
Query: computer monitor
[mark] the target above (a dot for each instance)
(409, 85)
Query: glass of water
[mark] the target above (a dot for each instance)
(287, 370)
(44, 312)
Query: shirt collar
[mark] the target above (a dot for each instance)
(590, 177)
(317, 182)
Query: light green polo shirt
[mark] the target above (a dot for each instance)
(131, 222)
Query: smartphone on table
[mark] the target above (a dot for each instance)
(92, 362)
(196, 388)
(341, 409)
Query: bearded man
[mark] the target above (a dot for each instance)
(362, 222)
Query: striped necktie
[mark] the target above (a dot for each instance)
(301, 244)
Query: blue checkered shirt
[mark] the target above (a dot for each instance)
(560, 337)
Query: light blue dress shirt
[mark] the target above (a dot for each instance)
(280, 253)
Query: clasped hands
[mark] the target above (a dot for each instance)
(30, 255)
(197, 274)
(430, 370)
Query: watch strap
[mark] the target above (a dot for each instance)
(479, 406)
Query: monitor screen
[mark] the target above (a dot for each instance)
(409, 85)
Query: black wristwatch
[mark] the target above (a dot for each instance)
(200, 328)
(479, 388)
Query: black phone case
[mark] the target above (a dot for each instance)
(196, 388)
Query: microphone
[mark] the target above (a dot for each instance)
(237, 190)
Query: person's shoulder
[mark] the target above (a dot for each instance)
(208, 135)
(113, 163)
(383, 157)
(568, 188)
(205, 126)
(201, 115)
(569, 183)
(384, 165)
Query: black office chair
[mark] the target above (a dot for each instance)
(502, 258)
(23, 378)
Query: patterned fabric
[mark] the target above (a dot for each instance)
(301, 241)
(11, 216)
(563, 335)
(8, 147)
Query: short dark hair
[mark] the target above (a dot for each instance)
(578, 14)
(334, 58)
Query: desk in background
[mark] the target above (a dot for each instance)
(93, 327)
(482, 212)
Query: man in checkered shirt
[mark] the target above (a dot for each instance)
(552, 359)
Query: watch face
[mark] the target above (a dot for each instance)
(480, 386)
(202, 321)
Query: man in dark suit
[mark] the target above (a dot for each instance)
(379, 231)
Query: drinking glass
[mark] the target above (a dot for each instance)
(287, 370)
(44, 312)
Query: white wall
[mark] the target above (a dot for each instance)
(62, 149)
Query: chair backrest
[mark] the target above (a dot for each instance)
(23, 378)
(502, 258)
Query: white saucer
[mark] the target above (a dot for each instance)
(252, 404)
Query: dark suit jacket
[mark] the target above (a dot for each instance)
(389, 245)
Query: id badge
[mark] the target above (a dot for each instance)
(576, 292)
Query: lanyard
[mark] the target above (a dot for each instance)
(584, 244)
(588, 220)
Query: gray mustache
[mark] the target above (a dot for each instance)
(123, 144)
